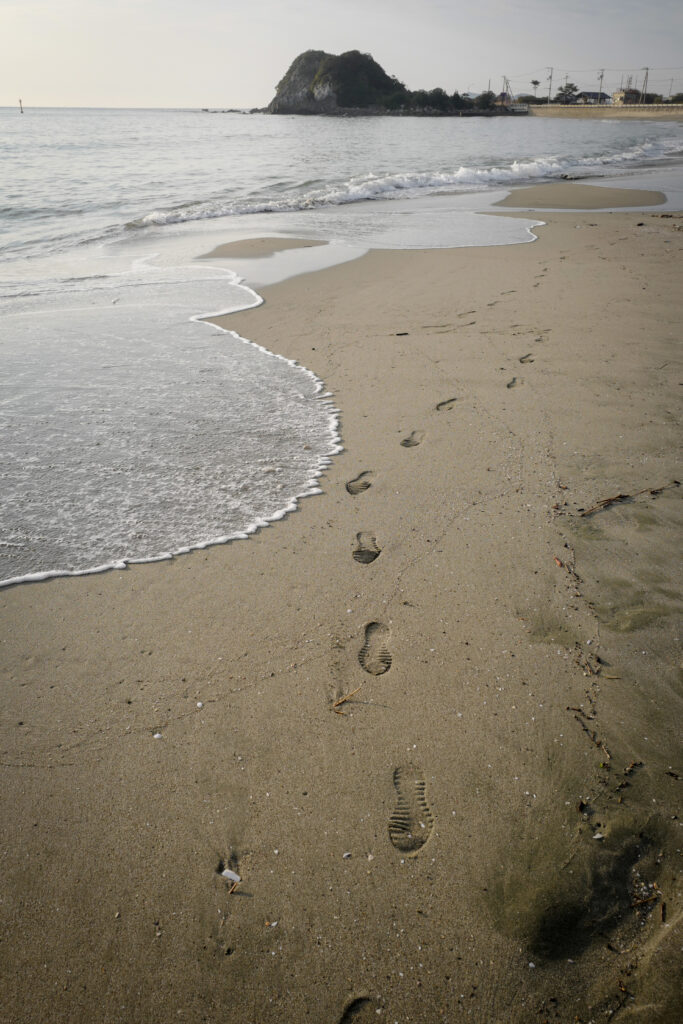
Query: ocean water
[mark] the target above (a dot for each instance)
(132, 430)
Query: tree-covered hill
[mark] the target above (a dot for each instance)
(322, 83)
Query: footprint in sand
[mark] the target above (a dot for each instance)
(367, 549)
(528, 358)
(360, 483)
(411, 824)
(374, 656)
(447, 404)
(413, 440)
(361, 1010)
(515, 382)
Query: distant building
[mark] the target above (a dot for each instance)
(593, 98)
(625, 97)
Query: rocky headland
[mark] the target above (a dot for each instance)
(354, 83)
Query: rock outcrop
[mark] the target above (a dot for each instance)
(321, 83)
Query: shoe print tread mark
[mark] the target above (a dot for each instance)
(413, 440)
(374, 655)
(360, 483)
(411, 824)
(447, 404)
(367, 550)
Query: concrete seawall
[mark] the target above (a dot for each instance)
(654, 111)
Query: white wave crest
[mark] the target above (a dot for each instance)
(409, 184)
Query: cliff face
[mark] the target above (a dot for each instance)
(321, 83)
(296, 94)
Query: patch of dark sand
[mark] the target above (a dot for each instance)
(257, 248)
(566, 196)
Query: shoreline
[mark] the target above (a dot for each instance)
(505, 713)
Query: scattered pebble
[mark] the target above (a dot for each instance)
(346, 855)
(200, 703)
(157, 735)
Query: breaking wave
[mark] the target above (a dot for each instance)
(311, 195)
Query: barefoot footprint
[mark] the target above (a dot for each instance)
(447, 404)
(367, 549)
(360, 483)
(374, 656)
(413, 440)
(411, 824)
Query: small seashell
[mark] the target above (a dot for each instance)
(598, 835)
(232, 875)
(346, 855)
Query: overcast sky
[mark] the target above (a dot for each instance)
(232, 53)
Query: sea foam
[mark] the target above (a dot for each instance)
(136, 431)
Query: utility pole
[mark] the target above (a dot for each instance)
(644, 89)
(550, 82)
(600, 78)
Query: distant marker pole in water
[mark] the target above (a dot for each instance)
(21, 108)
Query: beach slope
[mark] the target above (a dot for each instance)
(430, 719)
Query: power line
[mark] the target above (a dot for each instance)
(588, 71)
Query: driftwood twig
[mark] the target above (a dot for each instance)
(606, 502)
(348, 696)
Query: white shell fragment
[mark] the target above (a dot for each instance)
(598, 835)
(232, 875)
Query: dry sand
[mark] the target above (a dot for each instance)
(487, 829)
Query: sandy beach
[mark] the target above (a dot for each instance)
(431, 719)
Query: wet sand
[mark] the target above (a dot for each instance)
(252, 248)
(487, 827)
(574, 196)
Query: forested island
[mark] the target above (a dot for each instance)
(353, 82)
